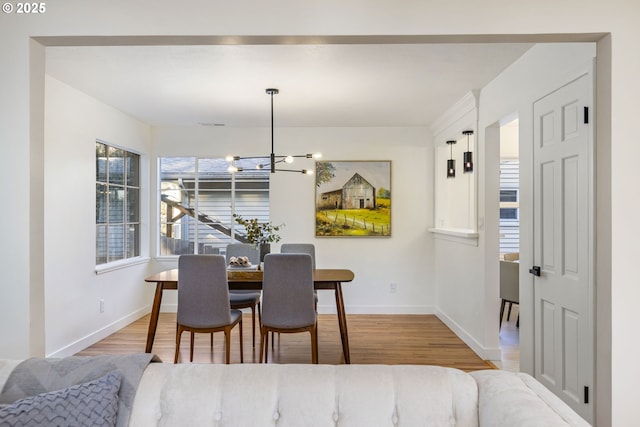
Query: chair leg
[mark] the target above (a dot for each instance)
(178, 335)
(211, 342)
(191, 347)
(241, 340)
(264, 338)
(253, 324)
(509, 311)
(314, 345)
(227, 344)
(501, 312)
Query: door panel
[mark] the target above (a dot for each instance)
(563, 233)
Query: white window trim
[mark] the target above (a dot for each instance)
(120, 264)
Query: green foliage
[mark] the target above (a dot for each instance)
(324, 172)
(383, 193)
(259, 233)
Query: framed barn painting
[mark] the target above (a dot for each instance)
(353, 198)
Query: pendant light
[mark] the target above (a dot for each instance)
(468, 155)
(272, 159)
(451, 163)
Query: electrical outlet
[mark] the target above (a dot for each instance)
(101, 306)
(392, 288)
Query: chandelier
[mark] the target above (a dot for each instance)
(272, 160)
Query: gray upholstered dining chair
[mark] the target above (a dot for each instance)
(300, 248)
(287, 299)
(509, 287)
(245, 299)
(203, 301)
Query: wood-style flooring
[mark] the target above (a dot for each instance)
(373, 339)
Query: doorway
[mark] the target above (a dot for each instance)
(509, 242)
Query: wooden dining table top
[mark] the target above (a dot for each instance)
(324, 278)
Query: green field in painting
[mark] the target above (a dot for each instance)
(355, 222)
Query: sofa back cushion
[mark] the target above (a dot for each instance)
(309, 395)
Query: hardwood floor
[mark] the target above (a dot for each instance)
(373, 339)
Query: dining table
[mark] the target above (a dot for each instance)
(323, 279)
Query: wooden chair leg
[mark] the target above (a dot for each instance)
(178, 335)
(253, 324)
(509, 311)
(314, 345)
(227, 344)
(241, 340)
(264, 338)
(191, 347)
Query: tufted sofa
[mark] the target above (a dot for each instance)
(343, 395)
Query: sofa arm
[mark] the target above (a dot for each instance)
(518, 399)
(6, 367)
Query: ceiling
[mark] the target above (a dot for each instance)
(329, 85)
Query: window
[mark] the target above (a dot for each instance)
(508, 195)
(117, 204)
(198, 197)
(509, 206)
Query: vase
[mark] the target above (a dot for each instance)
(265, 248)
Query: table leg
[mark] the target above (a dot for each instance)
(342, 322)
(155, 313)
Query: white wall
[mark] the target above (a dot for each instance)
(72, 289)
(405, 258)
(21, 106)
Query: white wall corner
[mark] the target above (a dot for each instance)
(485, 353)
(100, 334)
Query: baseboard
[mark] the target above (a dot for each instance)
(100, 334)
(483, 352)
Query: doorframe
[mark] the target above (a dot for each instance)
(490, 188)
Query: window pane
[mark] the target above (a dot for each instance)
(508, 195)
(116, 205)
(101, 244)
(101, 162)
(133, 203)
(101, 203)
(176, 238)
(116, 166)
(133, 240)
(133, 169)
(508, 213)
(177, 165)
(195, 210)
(115, 240)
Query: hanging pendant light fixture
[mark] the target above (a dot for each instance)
(272, 159)
(451, 163)
(468, 155)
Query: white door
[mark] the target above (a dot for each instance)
(563, 243)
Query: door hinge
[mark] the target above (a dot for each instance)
(586, 115)
(586, 394)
